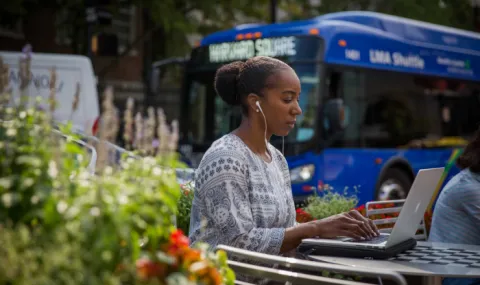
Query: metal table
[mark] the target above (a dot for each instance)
(432, 261)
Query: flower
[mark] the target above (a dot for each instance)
(302, 216)
(178, 243)
(179, 239)
(147, 269)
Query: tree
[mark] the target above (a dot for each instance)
(172, 20)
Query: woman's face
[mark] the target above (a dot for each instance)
(281, 102)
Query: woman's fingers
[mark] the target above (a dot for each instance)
(357, 228)
(368, 224)
(351, 234)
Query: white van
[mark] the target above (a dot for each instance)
(70, 70)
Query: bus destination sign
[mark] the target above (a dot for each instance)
(242, 50)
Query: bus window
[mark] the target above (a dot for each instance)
(334, 111)
(397, 111)
(460, 116)
(309, 75)
(341, 108)
(226, 118)
(198, 100)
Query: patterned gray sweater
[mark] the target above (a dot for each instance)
(241, 200)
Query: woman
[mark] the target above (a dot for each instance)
(456, 218)
(243, 196)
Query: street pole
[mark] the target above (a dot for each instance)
(91, 19)
(273, 11)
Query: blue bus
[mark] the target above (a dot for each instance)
(382, 97)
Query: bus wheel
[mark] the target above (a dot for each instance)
(394, 185)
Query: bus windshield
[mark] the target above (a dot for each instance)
(206, 117)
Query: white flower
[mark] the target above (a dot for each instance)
(72, 211)
(34, 200)
(108, 170)
(52, 169)
(95, 211)
(83, 175)
(62, 207)
(157, 171)
(11, 132)
(22, 115)
(123, 199)
(83, 183)
(7, 200)
(27, 182)
(6, 182)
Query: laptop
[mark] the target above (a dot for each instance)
(402, 236)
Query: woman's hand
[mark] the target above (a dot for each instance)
(351, 224)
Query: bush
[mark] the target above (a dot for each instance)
(328, 204)
(185, 207)
(63, 224)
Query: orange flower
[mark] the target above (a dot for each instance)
(210, 277)
(215, 276)
(191, 256)
(147, 269)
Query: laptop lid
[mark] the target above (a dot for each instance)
(412, 212)
(415, 205)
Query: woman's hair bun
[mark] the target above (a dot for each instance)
(226, 82)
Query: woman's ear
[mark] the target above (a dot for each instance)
(252, 99)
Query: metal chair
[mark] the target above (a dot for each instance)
(303, 266)
(93, 160)
(115, 156)
(389, 222)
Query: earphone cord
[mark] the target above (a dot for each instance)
(265, 135)
(265, 121)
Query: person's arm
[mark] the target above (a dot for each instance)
(469, 199)
(349, 224)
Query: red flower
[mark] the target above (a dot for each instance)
(302, 216)
(178, 241)
(179, 238)
(361, 210)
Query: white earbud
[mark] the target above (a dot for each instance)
(258, 105)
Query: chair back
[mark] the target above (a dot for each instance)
(93, 152)
(385, 214)
(309, 271)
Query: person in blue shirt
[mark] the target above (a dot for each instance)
(456, 218)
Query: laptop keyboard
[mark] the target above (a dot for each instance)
(375, 240)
